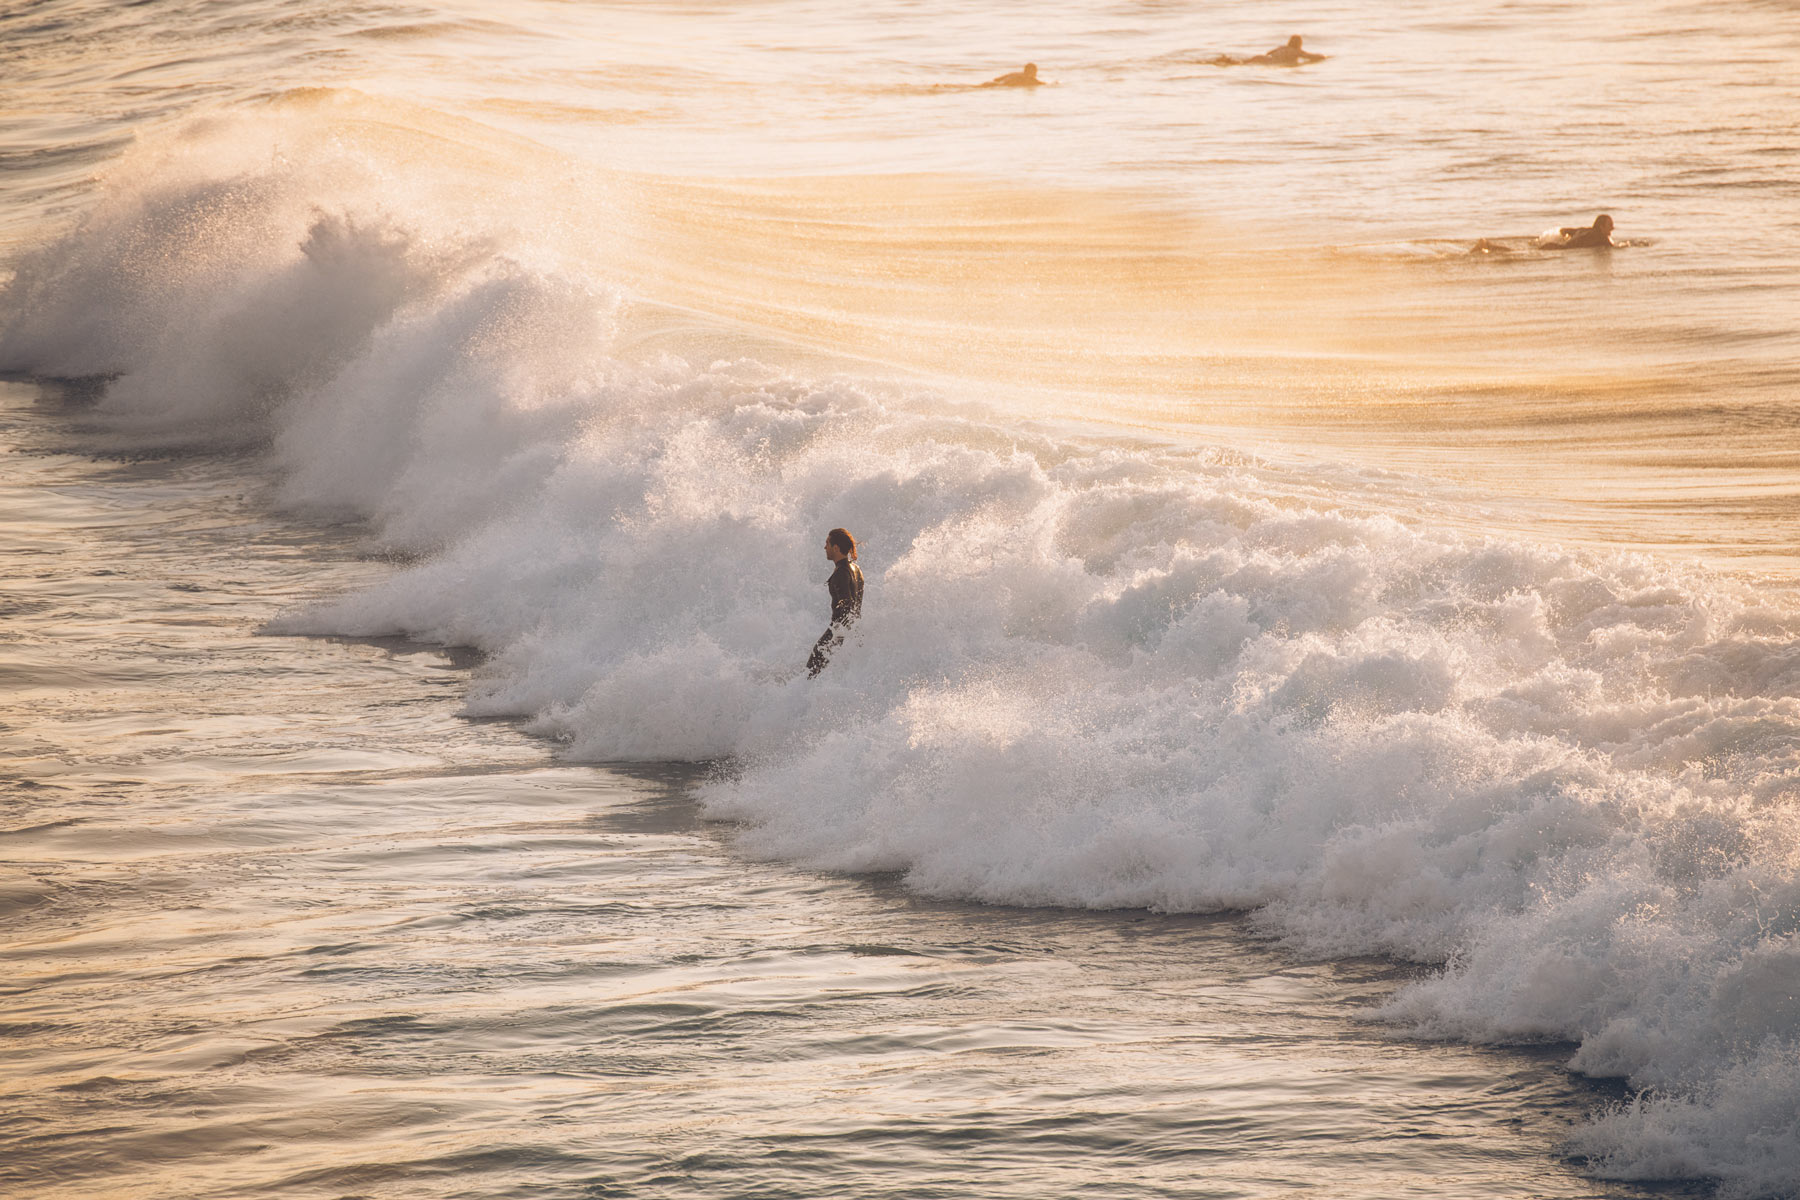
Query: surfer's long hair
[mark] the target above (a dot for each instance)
(844, 542)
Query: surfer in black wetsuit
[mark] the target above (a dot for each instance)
(846, 586)
(1025, 78)
(1290, 55)
(1597, 236)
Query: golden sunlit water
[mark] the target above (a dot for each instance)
(1326, 713)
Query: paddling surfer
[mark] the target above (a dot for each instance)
(1027, 77)
(846, 587)
(1289, 55)
(1597, 236)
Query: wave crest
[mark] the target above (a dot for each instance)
(1088, 674)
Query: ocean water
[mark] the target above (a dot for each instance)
(1324, 716)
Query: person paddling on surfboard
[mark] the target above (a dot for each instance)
(1597, 236)
(846, 587)
(1289, 55)
(1025, 78)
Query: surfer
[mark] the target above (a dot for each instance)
(846, 587)
(1021, 78)
(1289, 55)
(1597, 236)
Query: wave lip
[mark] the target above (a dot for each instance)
(1087, 675)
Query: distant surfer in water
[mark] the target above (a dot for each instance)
(1022, 78)
(1289, 55)
(1597, 236)
(846, 587)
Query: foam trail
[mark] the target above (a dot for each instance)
(1087, 674)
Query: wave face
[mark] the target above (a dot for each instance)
(1089, 673)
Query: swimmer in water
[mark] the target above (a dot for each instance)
(1021, 78)
(1597, 236)
(1290, 55)
(846, 588)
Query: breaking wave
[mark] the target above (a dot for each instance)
(1090, 672)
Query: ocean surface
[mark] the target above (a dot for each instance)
(1326, 715)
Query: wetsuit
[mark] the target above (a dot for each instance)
(846, 586)
(1283, 56)
(1584, 237)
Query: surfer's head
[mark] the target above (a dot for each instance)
(840, 541)
(1030, 72)
(1603, 223)
(1294, 42)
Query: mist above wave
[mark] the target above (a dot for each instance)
(1088, 674)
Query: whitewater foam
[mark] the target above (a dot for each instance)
(1089, 673)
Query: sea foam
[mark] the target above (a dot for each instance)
(1089, 672)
